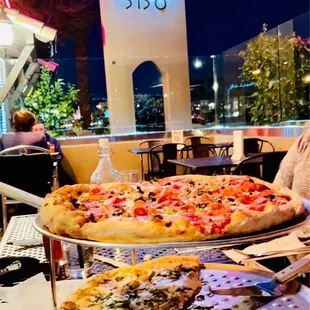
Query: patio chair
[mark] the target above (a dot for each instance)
(29, 168)
(169, 151)
(152, 159)
(194, 140)
(256, 145)
(263, 166)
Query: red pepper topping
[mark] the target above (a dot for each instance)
(140, 211)
(95, 191)
(118, 200)
(259, 187)
(246, 200)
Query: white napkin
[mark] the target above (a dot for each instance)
(35, 293)
(287, 243)
(279, 247)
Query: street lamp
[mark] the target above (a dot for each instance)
(198, 63)
(215, 87)
(6, 30)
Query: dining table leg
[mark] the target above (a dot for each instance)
(53, 272)
(142, 167)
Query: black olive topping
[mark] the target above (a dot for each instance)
(251, 180)
(140, 198)
(140, 191)
(231, 199)
(191, 183)
(168, 224)
(151, 194)
(75, 203)
(153, 199)
(92, 218)
(272, 197)
(169, 183)
(118, 212)
(159, 217)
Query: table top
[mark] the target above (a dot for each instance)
(141, 151)
(208, 162)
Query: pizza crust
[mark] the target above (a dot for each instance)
(129, 230)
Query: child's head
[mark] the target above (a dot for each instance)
(39, 127)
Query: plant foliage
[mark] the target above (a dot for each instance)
(275, 65)
(53, 102)
(149, 112)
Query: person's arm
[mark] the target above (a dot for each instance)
(285, 174)
(42, 142)
(58, 148)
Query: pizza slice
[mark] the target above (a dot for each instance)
(164, 283)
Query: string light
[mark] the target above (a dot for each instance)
(2, 81)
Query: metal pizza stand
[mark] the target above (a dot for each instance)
(227, 242)
(36, 202)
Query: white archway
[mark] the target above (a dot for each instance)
(132, 36)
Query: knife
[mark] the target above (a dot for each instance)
(282, 282)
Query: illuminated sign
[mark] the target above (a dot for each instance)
(160, 5)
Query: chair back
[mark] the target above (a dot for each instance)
(169, 151)
(251, 146)
(28, 168)
(153, 159)
(255, 145)
(263, 166)
(196, 151)
(271, 165)
(151, 143)
(194, 140)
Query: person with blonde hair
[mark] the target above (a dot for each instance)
(23, 122)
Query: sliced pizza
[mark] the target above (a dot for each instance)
(164, 283)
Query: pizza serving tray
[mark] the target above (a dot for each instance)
(274, 232)
(222, 276)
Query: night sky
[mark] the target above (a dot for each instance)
(216, 25)
(212, 25)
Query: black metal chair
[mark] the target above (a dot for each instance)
(29, 168)
(195, 151)
(194, 140)
(152, 159)
(169, 151)
(256, 145)
(263, 166)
